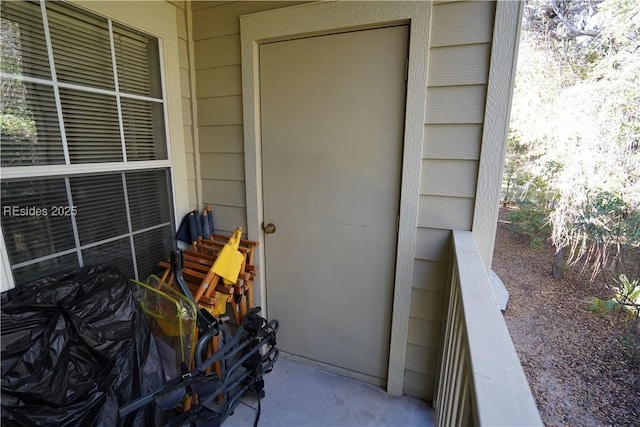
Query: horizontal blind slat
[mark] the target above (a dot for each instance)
(137, 62)
(91, 126)
(78, 39)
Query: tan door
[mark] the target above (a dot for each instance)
(332, 111)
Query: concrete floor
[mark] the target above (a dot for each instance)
(301, 396)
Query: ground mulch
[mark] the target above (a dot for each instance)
(580, 369)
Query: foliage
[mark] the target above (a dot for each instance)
(530, 221)
(18, 129)
(574, 141)
(625, 302)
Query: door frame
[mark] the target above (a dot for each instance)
(327, 18)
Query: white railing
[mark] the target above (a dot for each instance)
(481, 381)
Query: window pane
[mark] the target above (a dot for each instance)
(152, 247)
(143, 129)
(81, 46)
(22, 44)
(91, 125)
(138, 62)
(95, 132)
(101, 208)
(30, 130)
(45, 268)
(116, 253)
(149, 198)
(31, 224)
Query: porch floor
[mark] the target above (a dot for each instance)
(299, 396)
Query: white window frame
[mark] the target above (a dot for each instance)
(159, 21)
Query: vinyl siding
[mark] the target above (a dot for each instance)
(216, 34)
(459, 54)
(461, 34)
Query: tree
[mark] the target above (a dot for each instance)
(576, 126)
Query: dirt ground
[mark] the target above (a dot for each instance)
(580, 372)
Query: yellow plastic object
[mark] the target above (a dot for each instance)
(220, 307)
(229, 261)
(171, 316)
(228, 264)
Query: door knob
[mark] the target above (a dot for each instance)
(269, 228)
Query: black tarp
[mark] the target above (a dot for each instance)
(75, 347)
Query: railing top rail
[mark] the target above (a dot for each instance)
(500, 389)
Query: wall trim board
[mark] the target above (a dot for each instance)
(506, 37)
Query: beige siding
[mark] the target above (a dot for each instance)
(433, 244)
(461, 34)
(220, 81)
(419, 384)
(216, 34)
(221, 139)
(430, 275)
(227, 218)
(186, 87)
(456, 178)
(459, 65)
(426, 305)
(452, 141)
(421, 359)
(227, 193)
(227, 49)
(423, 333)
(224, 167)
(446, 212)
(222, 19)
(455, 104)
(220, 111)
(462, 23)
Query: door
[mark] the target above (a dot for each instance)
(332, 118)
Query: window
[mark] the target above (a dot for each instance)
(85, 167)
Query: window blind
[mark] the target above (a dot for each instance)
(81, 46)
(133, 234)
(40, 269)
(137, 62)
(119, 218)
(101, 207)
(91, 126)
(147, 201)
(30, 226)
(143, 124)
(152, 246)
(117, 253)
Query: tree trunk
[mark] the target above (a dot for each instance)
(558, 265)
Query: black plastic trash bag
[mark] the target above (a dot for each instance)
(75, 347)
